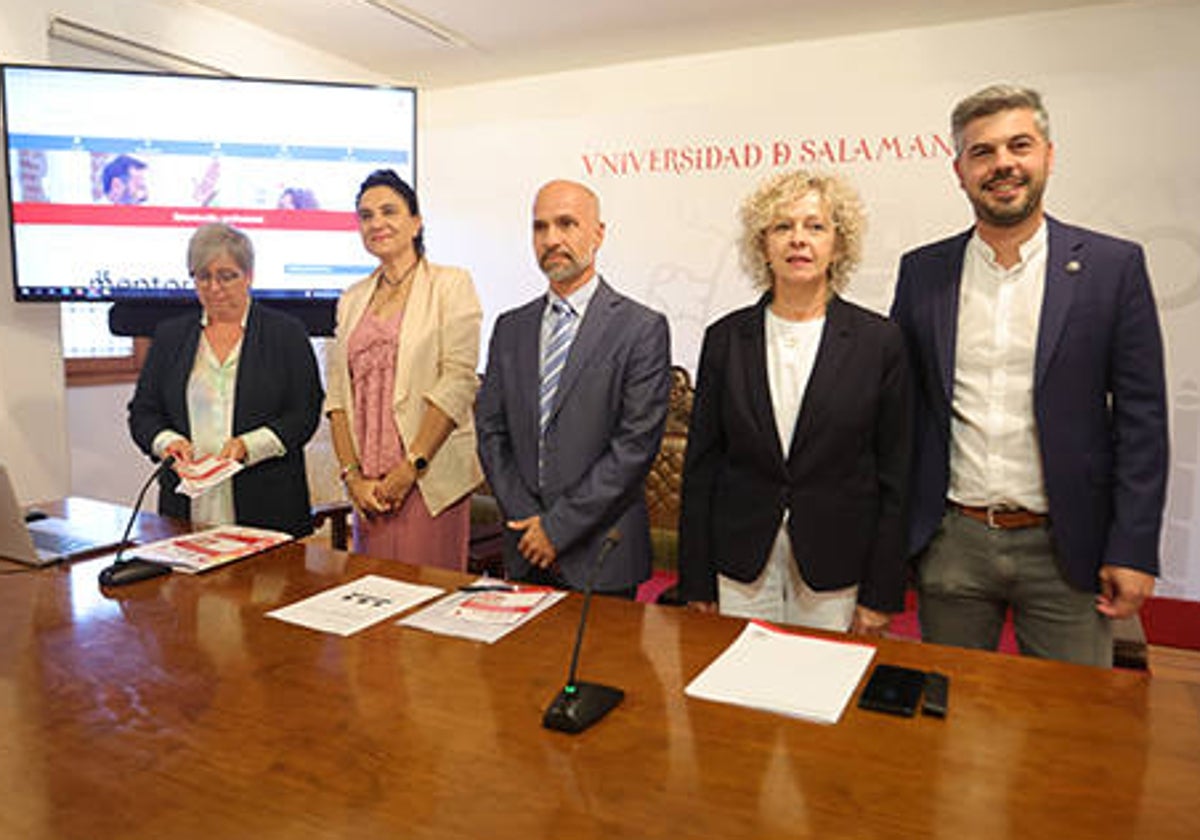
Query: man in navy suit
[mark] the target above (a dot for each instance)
(571, 412)
(1040, 460)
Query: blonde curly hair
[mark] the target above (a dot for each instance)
(764, 206)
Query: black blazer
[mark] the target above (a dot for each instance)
(844, 481)
(277, 386)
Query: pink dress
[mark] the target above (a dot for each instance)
(410, 534)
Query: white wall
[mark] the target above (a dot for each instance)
(32, 420)
(1120, 83)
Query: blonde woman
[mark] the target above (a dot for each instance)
(797, 461)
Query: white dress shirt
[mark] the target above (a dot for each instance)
(994, 454)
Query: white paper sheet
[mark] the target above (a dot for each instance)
(448, 617)
(785, 672)
(356, 605)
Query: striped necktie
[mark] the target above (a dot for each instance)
(554, 357)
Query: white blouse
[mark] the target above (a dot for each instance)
(210, 393)
(791, 354)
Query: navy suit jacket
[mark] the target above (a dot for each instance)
(1099, 396)
(278, 386)
(843, 481)
(604, 432)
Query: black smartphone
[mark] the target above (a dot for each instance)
(894, 690)
(937, 695)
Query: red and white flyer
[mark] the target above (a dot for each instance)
(208, 549)
(198, 476)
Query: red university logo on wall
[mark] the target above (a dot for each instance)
(751, 154)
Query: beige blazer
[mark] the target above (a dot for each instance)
(436, 361)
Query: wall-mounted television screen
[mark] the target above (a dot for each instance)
(110, 172)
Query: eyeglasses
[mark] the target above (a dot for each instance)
(224, 277)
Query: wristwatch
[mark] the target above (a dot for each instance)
(419, 463)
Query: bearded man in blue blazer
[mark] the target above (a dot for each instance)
(571, 411)
(1040, 460)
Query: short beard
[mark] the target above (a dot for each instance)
(1013, 214)
(565, 271)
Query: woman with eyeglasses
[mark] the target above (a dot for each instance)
(240, 382)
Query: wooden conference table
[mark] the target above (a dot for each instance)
(172, 708)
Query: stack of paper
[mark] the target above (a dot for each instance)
(787, 673)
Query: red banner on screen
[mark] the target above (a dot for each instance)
(185, 217)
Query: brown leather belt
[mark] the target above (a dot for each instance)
(1002, 517)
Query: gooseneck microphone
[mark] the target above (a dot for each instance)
(581, 704)
(124, 571)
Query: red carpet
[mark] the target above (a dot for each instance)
(1169, 622)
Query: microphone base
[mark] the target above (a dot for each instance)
(575, 710)
(124, 572)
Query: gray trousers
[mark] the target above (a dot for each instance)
(971, 575)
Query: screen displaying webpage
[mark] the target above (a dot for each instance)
(109, 173)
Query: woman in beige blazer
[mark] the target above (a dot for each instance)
(401, 388)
